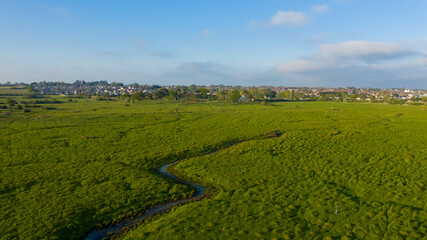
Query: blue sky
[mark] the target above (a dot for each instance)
(361, 43)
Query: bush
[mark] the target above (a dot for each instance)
(11, 102)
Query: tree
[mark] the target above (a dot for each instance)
(246, 93)
(11, 102)
(125, 95)
(386, 98)
(137, 96)
(149, 96)
(283, 94)
(135, 86)
(268, 93)
(172, 94)
(235, 95)
(31, 92)
(192, 87)
(190, 97)
(203, 93)
(30, 89)
(114, 84)
(256, 93)
(161, 94)
(223, 95)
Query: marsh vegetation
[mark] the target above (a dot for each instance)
(69, 166)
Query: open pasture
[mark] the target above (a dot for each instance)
(6, 91)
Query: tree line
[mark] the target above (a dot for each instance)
(193, 94)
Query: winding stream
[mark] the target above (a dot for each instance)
(106, 232)
(98, 234)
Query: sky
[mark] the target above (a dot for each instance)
(330, 43)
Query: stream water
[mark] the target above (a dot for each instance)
(109, 231)
(98, 234)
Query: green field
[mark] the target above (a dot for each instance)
(4, 91)
(68, 167)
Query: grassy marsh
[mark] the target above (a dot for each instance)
(69, 166)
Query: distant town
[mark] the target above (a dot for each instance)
(135, 91)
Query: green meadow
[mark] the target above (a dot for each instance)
(5, 91)
(68, 166)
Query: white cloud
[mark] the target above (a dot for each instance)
(206, 32)
(301, 66)
(320, 9)
(350, 53)
(357, 75)
(359, 63)
(289, 18)
(365, 50)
